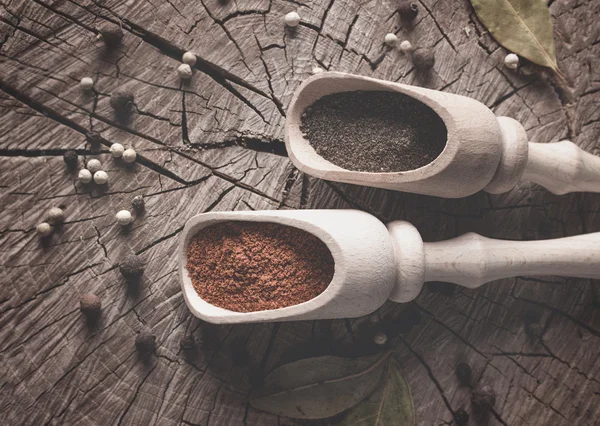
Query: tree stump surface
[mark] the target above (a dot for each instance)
(216, 143)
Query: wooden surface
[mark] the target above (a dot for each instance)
(216, 144)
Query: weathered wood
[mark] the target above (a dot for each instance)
(216, 144)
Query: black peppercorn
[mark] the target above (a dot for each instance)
(145, 341)
(188, 342)
(484, 397)
(70, 158)
(461, 418)
(90, 305)
(463, 372)
(111, 34)
(121, 100)
(408, 9)
(138, 203)
(131, 267)
(93, 137)
(423, 58)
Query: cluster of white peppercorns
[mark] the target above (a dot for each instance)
(423, 58)
(391, 40)
(54, 217)
(185, 69)
(93, 171)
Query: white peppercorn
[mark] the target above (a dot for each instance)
(129, 155)
(86, 83)
(406, 46)
(116, 149)
(100, 177)
(184, 71)
(380, 338)
(93, 165)
(43, 229)
(85, 176)
(317, 70)
(511, 61)
(292, 19)
(391, 39)
(189, 58)
(124, 217)
(55, 215)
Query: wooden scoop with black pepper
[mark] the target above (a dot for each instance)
(371, 264)
(360, 130)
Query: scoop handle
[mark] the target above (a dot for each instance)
(472, 260)
(562, 167)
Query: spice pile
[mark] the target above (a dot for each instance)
(251, 266)
(374, 131)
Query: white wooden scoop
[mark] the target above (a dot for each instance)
(374, 263)
(482, 151)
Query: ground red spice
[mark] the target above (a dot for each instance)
(255, 266)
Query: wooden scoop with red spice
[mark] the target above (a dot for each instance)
(371, 264)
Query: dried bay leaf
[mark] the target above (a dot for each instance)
(320, 387)
(522, 26)
(390, 405)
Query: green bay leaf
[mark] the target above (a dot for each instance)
(390, 405)
(522, 26)
(319, 387)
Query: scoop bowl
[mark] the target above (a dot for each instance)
(362, 251)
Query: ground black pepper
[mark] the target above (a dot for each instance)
(374, 131)
(255, 266)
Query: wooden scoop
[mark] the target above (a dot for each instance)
(482, 151)
(374, 263)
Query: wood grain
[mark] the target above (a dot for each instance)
(217, 144)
